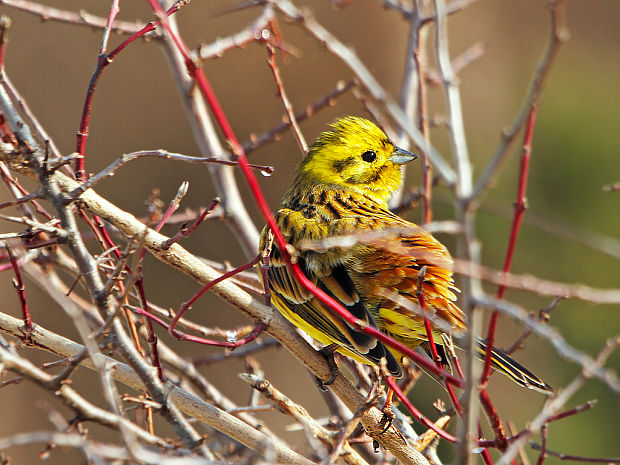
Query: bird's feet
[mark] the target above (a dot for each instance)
(328, 353)
(388, 414)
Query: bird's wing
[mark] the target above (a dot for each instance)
(304, 310)
(386, 274)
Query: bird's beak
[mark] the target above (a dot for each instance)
(401, 156)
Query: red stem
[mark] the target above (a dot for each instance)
(427, 323)
(543, 446)
(258, 329)
(519, 209)
(152, 339)
(486, 456)
(581, 408)
(496, 423)
(106, 237)
(431, 341)
(184, 232)
(457, 365)
(415, 412)
(93, 228)
(4, 26)
(103, 60)
(202, 83)
(21, 291)
(187, 305)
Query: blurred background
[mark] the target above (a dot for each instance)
(575, 153)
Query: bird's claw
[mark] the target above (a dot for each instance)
(328, 353)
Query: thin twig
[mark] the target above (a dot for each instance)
(348, 454)
(554, 404)
(111, 169)
(553, 336)
(540, 286)
(190, 404)
(81, 18)
(32, 120)
(21, 293)
(206, 137)
(257, 141)
(543, 317)
(103, 60)
(188, 304)
(184, 232)
(256, 32)
(519, 210)
(25, 198)
(64, 391)
(299, 137)
(456, 125)
(557, 36)
(416, 413)
(574, 458)
(460, 62)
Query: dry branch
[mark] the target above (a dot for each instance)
(188, 403)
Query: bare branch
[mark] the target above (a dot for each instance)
(557, 36)
(83, 407)
(233, 206)
(189, 404)
(81, 18)
(348, 455)
(590, 366)
(299, 137)
(556, 403)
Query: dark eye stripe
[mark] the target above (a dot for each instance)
(340, 165)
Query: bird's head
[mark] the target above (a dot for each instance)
(355, 155)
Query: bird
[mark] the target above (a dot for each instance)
(350, 245)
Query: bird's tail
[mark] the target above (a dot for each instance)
(511, 368)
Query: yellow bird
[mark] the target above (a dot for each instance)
(340, 193)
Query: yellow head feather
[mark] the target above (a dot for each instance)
(356, 155)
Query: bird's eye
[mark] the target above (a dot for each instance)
(369, 156)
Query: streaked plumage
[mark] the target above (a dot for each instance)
(341, 189)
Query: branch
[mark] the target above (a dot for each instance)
(188, 403)
(456, 126)
(555, 338)
(301, 415)
(177, 257)
(87, 411)
(82, 18)
(299, 137)
(558, 35)
(538, 285)
(252, 33)
(111, 169)
(206, 137)
(554, 404)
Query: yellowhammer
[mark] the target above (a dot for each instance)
(341, 189)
